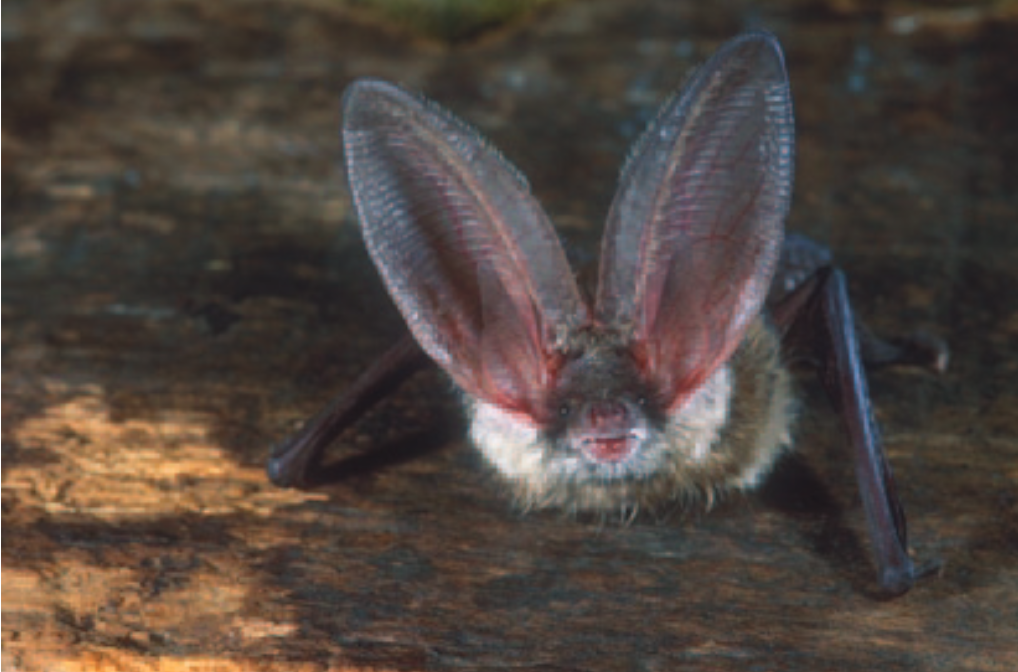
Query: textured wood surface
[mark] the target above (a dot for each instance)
(184, 284)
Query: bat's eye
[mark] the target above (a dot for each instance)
(564, 410)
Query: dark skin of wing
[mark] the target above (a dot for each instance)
(295, 462)
(817, 326)
(816, 322)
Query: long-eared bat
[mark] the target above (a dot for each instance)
(672, 383)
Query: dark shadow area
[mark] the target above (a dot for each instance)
(413, 446)
(796, 490)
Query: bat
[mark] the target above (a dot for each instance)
(673, 382)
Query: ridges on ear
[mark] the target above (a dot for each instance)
(464, 249)
(695, 230)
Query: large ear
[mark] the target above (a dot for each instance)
(466, 252)
(695, 230)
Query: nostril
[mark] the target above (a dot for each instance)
(603, 413)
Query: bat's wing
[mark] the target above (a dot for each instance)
(801, 258)
(293, 462)
(464, 249)
(694, 233)
(816, 319)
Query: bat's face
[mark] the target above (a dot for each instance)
(604, 420)
(600, 425)
(625, 401)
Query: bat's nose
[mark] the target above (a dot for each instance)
(609, 433)
(607, 415)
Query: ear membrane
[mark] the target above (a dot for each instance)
(465, 251)
(695, 230)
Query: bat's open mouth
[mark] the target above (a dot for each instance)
(610, 449)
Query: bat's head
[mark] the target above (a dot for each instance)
(606, 437)
(566, 395)
(610, 438)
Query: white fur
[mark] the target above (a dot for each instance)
(510, 442)
(695, 427)
(515, 446)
